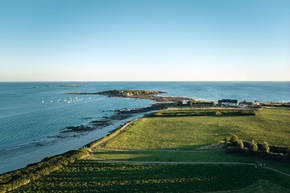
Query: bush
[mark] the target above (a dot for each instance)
(265, 147)
(275, 153)
(234, 140)
(240, 144)
(270, 156)
(277, 149)
(218, 113)
(253, 146)
(226, 140)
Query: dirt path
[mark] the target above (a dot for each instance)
(163, 150)
(278, 171)
(184, 163)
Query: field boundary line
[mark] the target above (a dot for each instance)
(161, 150)
(187, 163)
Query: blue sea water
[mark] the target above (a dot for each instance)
(32, 112)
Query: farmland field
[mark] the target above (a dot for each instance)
(183, 156)
(178, 144)
(91, 176)
(270, 125)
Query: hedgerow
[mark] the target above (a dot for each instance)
(15, 179)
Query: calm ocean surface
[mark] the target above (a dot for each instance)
(36, 112)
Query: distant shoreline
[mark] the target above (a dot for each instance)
(140, 94)
(124, 114)
(153, 95)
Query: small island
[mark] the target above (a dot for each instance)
(73, 85)
(140, 94)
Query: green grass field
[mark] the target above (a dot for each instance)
(91, 176)
(177, 139)
(270, 125)
(178, 156)
(187, 111)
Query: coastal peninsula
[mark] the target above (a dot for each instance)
(161, 103)
(140, 94)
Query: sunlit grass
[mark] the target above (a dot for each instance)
(177, 134)
(270, 125)
(176, 156)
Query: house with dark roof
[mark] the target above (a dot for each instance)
(228, 102)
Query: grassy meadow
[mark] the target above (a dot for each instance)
(191, 132)
(170, 139)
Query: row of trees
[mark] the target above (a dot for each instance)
(253, 148)
(234, 141)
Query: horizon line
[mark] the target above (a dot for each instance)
(143, 81)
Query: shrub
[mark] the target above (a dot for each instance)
(226, 140)
(240, 144)
(253, 146)
(233, 140)
(288, 151)
(265, 147)
(218, 113)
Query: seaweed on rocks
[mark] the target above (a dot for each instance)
(77, 129)
(118, 115)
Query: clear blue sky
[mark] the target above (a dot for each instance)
(112, 40)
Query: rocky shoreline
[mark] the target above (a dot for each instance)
(108, 120)
(161, 103)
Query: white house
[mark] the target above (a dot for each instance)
(228, 102)
(185, 102)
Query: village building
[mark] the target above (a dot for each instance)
(185, 102)
(228, 102)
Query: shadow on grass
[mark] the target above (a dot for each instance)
(87, 175)
(173, 155)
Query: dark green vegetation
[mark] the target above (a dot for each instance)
(271, 104)
(176, 139)
(203, 112)
(91, 176)
(15, 179)
(276, 153)
(185, 156)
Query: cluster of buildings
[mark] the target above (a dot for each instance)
(225, 103)
(228, 103)
(236, 103)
